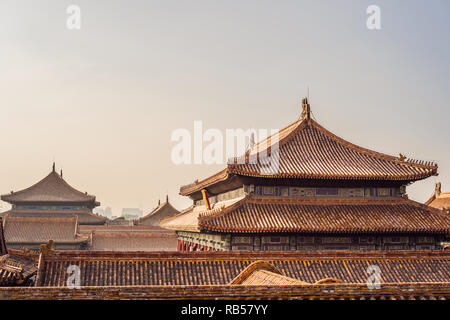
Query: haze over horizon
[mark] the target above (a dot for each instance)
(103, 101)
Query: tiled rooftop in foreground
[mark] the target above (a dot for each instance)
(220, 268)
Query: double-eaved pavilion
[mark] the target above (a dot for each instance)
(53, 197)
(324, 194)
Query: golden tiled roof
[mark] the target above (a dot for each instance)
(348, 215)
(220, 268)
(306, 150)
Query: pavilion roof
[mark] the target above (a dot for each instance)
(254, 214)
(306, 150)
(53, 189)
(162, 211)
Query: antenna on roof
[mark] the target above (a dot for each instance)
(61, 174)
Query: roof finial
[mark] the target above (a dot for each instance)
(306, 109)
(167, 197)
(53, 166)
(437, 189)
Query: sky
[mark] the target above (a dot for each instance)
(102, 101)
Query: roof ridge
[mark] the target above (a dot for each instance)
(181, 213)
(221, 175)
(380, 155)
(300, 123)
(303, 123)
(431, 199)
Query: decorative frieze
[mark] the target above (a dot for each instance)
(194, 241)
(336, 240)
(300, 192)
(395, 240)
(233, 194)
(321, 242)
(321, 192)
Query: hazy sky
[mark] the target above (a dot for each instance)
(103, 100)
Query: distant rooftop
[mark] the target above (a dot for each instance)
(52, 189)
(439, 200)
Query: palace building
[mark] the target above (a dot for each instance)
(53, 197)
(306, 189)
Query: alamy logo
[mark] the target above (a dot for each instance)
(374, 279)
(74, 279)
(74, 19)
(212, 146)
(374, 18)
